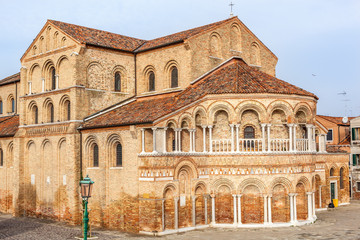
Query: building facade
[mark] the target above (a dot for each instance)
(181, 132)
(355, 158)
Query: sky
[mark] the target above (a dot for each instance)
(317, 41)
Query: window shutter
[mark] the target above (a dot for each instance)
(353, 134)
(354, 160)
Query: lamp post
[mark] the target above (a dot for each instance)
(86, 188)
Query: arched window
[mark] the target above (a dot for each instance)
(1, 158)
(341, 178)
(95, 155)
(117, 82)
(50, 112)
(332, 172)
(174, 77)
(151, 81)
(68, 110)
(12, 105)
(249, 132)
(118, 155)
(1, 107)
(36, 114)
(53, 78)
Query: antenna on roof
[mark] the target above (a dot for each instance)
(231, 9)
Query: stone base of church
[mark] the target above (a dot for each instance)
(221, 225)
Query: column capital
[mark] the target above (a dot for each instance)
(178, 129)
(212, 195)
(165, 128)
(210, 126)
(234, 195)
(290, 124)
(239, 195)
(237, 125)
(291, 194)
(143, 129)
(269, 124)
(309, 125)
(231, 125)
(194, 197)
(176, 199)
(154, 128)
(264, 124)
(204, 126)
(309, 193)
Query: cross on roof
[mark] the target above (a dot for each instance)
(231, 7)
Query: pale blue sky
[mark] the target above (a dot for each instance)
(320, 37)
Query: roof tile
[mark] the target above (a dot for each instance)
(234, 77)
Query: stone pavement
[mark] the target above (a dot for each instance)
(341, 223)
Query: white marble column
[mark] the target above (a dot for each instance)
(239, 208)
(263, 136)
(206, 208)
(194, 140)
(212, 208)
(309, 136)
(210, 138)
(193, 198)
(232, 137)
(163, 214)
(265, 210)
(322, 143)
(309, 195)
(142, 140)
(313, 204)
(291, 207)
(290, 137)
(295, 148)
(237, 137)
(164, 145)
(176, 213)
(269, 209)
(191, 140)
(154, 139)
(235, 212)
(176, 132)
(295, 210)
(314, 138)
(30, 90)
(43, 84)
(179, 140)
(204, 138)
(268, 137)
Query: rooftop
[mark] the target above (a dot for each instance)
(232, 77)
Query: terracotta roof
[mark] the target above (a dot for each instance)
(117, 41)
(9, 125)
(99, 37)
(180, 36)
(336, 120)
(10, 79)
(233, 77)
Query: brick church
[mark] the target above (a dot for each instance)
(186, 131)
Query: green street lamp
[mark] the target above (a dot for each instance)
(86, 188)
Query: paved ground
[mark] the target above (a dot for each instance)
(341, 223)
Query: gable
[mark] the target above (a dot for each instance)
(49, 39)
